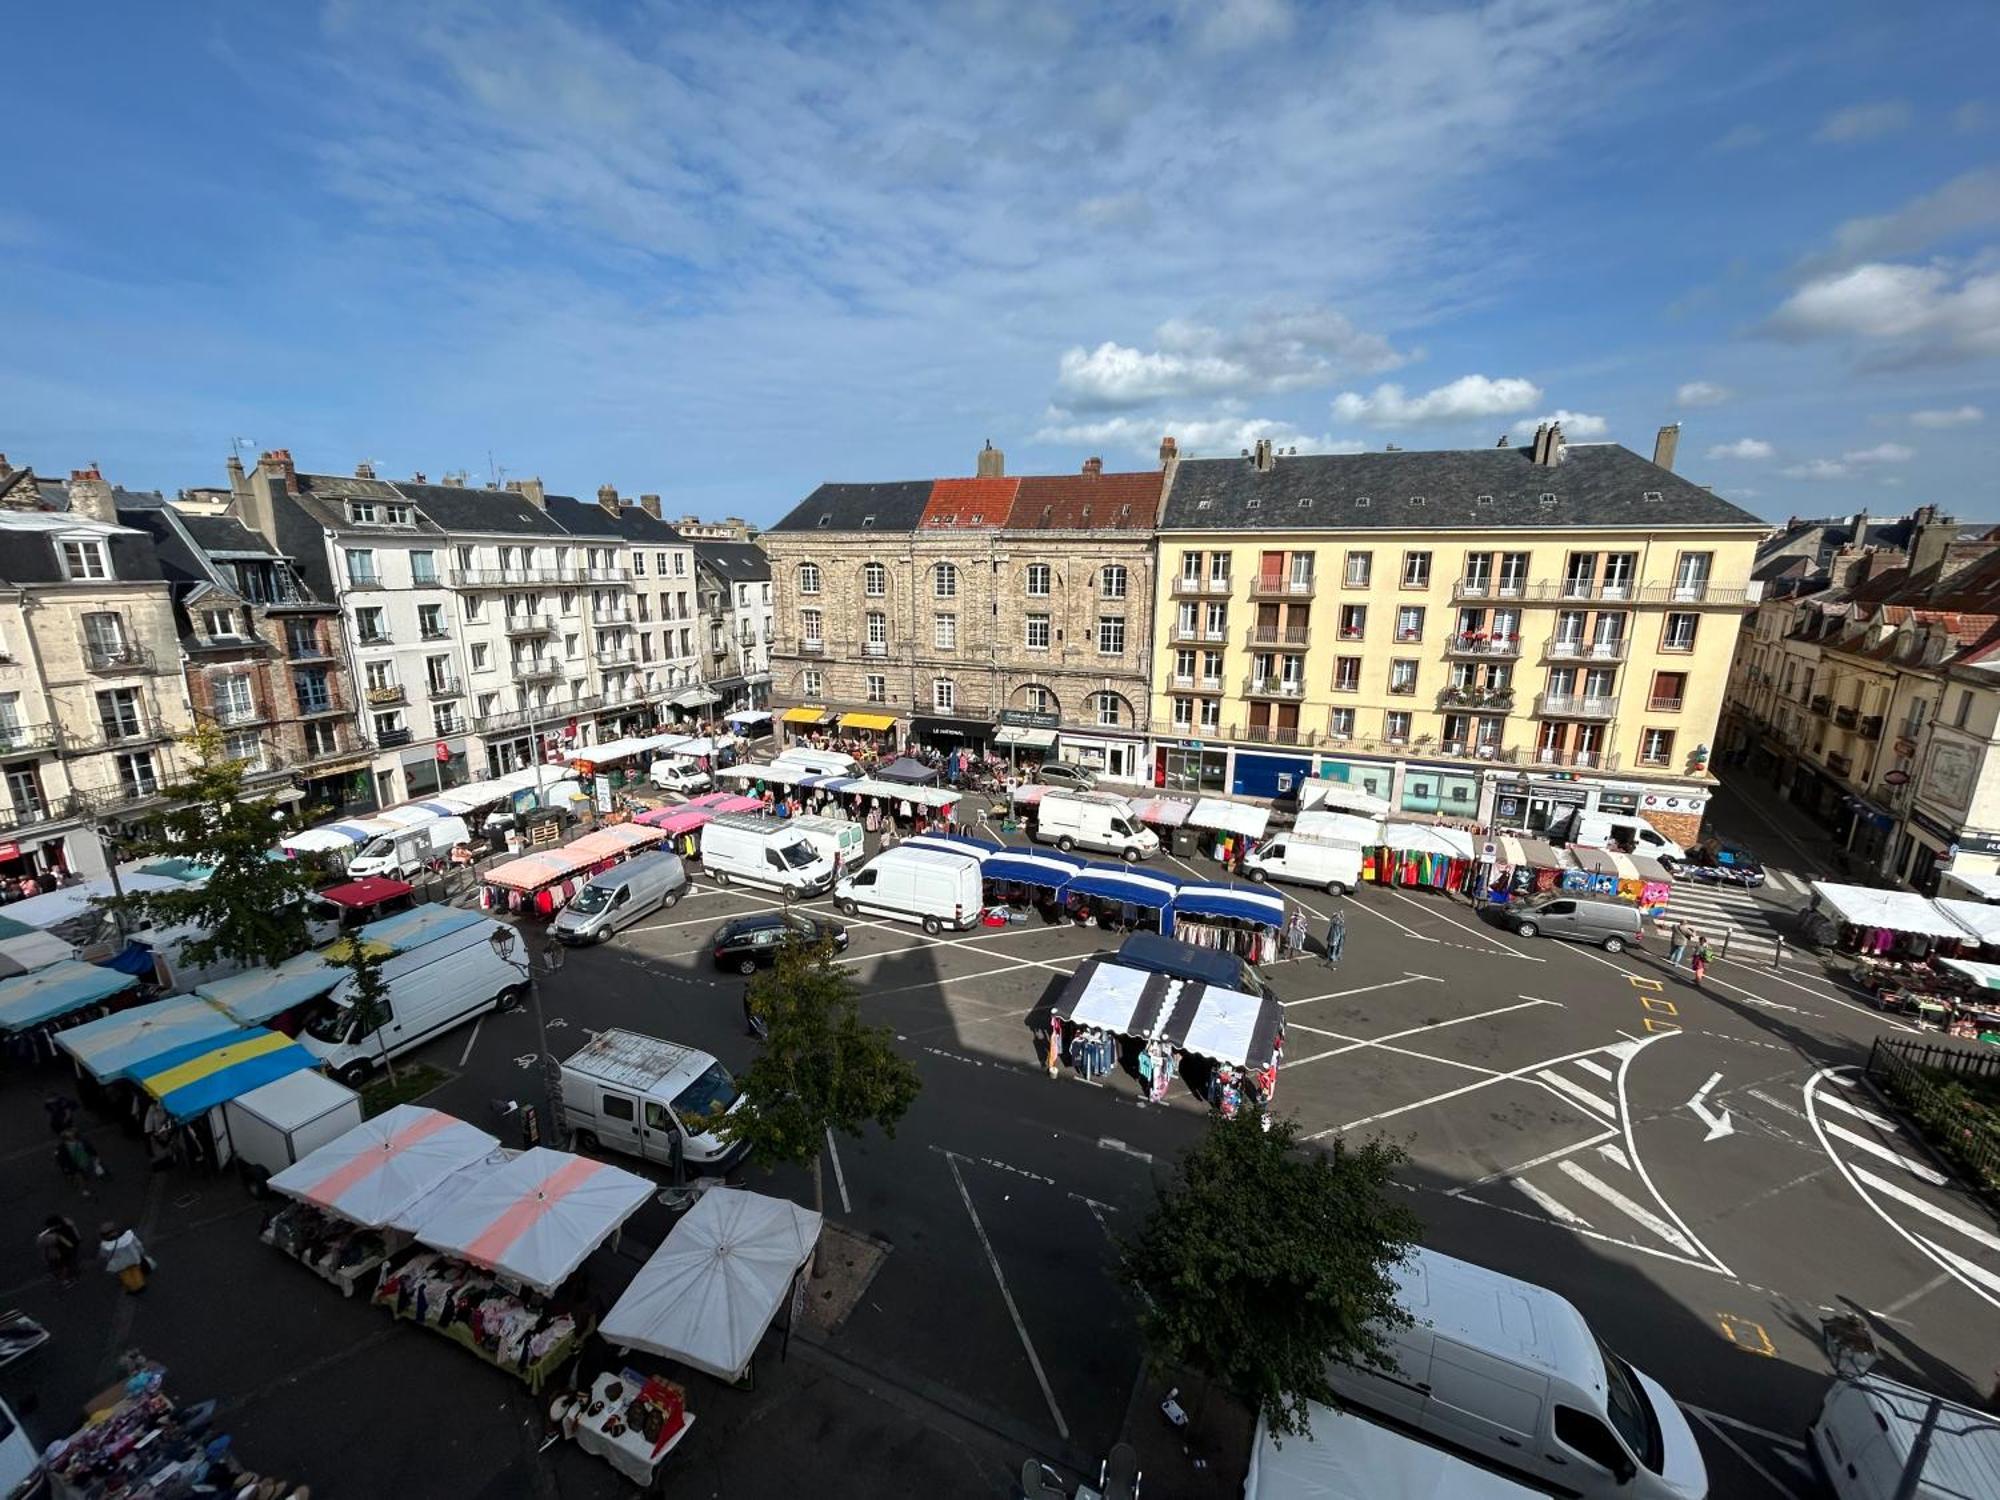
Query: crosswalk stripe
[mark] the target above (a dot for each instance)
(1580, 1094)
(1549, 1205)
(1793, 881)
(1594, 1067)
(1610, 1151)
(1929, 1209)
(1866, 1116)
(1971, 1269)
(1876, 1148)
(1635, 1211)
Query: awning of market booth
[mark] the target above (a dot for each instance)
(1168, 812)
(1352, 828)
(1976, 917)
(1028, 794)
(1984, 886)
(710, 1291)
(955, 843)
(24, 952)
(450, 1190)
(30, 999)
(777, 775)
(1428, 838)
(53, 908)
(614, 750)
(1986, 976)
(875, 722)
(1230, 817)
(1226, 1025)
(613, 842)
(698, 697)
(1024, 867)
(1315, 792)
(127, 1042)
(227, 1068)
(531, 872)
(1243, 903)
(330, 840)
(537, 1217)
(372, 890)
(403, 930)
(922, 796)
(691, 815)
(384, 1165)
(904, 771)
(1897, 911)
(253, 998)
(1025, 738)
(807, 713)
(1110, 995)
(748, 715)
(1121, 883)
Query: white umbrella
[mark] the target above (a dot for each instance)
(538, 1217)
(380, 1167)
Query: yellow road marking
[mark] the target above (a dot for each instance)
(1661, 1004)
(1745, 1334)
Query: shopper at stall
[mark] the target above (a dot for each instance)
(60, 1243)
(124, 1257)
(61, 1110)
(1336, 938)
(159, 1130)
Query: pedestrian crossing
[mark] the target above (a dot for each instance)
(1753, 927)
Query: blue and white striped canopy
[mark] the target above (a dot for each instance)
(1033, 867)
(1244, 903)
(1124, 883)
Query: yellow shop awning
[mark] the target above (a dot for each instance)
(867, 721)
(807, 713)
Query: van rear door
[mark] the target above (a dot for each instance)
(618, 1120)
(1486, 1404)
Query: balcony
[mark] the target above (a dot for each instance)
(1403, 689)
(509, 578)
(1274, 687)
(622, 656)
(1840, 765)
(307, 651)
(1350, 634)
(619, 613)
(1871, 727)
(524, 624)
(1478, 750)
(1201, 588)
(1280, 637)
(1277, 734)
(1846, 716)
(390, 739)
(116, 657)
(1658, 705)
(607, 575)
(1575, 706)
(1489, 588)
(1478, 699)
(1264, 586)
(236, 718)
(1821, 705)
(25, 739)
(362, 583)
(1566, 648)
(537, 669)
(1582, 760)
(436, 633)
(1597, 591)
(875, 650)
(112, 735)
(437, 691)
(314, 708)
(387, 696)
(1196, 635)
(1491, 647)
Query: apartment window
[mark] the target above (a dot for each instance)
(246, 745)
(232, 699)
(1353, 621)
(423, 567)
(810, 623)
(812, 682)
(1691, 572)
(475, 607)
(322, 739)
(1109, 706)
(311, 689)
(638, 565)
(1038, 637)
(1039, 699)
(389, 726)
(136, 774)
(437, 673)
(220, 624)
(1964, 709)
(1621, 572)
(1360, 567)
(944, 694)
(1183, 714)
(380, 676)
(1191, 569)
(877, 688)
(1211, 713)
(1656, 747)
(1416, 570)
(1211, 668)
(1402, 676)
(1111, 635)
(1513, 574)
(1341, 726)
(1218, 570)
(301, 638)
(1215, 622)
(118, 713)
(368, 624)
(1678, 633)
(1669, 691)
(430, 621)
(361, 512)
(1111, 582)
(808, 578)
(1037, 580)
(104, 634)
(1347, 674)
(444, 718)
(361, 567)
(1396, 726)
(874, 580)
(397, 515)
(24, 789)
(1183, 666)
(944, 581)
(84, 560)
(482, 656)
(1410, 623)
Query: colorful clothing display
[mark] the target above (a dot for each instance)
(1248, 941)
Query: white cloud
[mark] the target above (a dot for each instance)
(1970, 201)
(1576, 425)
(1850, 462)
(1702, 393)
(1274, 351)
(1204, 437)
(1467, 397)
(1750, 450)
(1951, 416)
(1912, 313)
(1863, 122)
(1818, 468)
(1739, 138)
(1881, 453)
(1230, 25)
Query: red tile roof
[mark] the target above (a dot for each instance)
(968, 502)
(1087, 502)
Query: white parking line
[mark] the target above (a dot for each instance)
(1635, 1211)
(1549, 1205)
(1579, 1094)
(1866, 1116)
(1399, 926)
(1737, 1448)
(1874, 1147)
(1397, 1036)
(1590, 1066)
(1034, 1359)
(1449, 1094)
(1387, 984)
(1484, 937)
(1929, 1209)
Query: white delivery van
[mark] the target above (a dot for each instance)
(20, 1459)
(764, 851)
(1306, 859)
(937, 887)
(1864, 1436)
(1344, 1457)
(270, 1128)
(818, 762)
(678, 775)
(640, 1095)
(432, 988)
(620, 896)
(1093, 820)
(836, 838)
(1511, 1373)
(407, 851)
(1608, 831)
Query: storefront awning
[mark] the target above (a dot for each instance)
(807, 713)
(695, 697)
(868, 721)
(1976, 917)
(1030, 739)
(1897, 911)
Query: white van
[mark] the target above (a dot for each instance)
(620, 896)
(1344, 1457)
(432, 988)
(818, 762)
(408, 850)
(1866, 1433)
(640, 1095)
(1093, 821)
(764, 851)
(678, 775)
(937, 887)
(1511, 1372)
(20, 1458)
(1606, 831)
(1305, 859)
(836, 838)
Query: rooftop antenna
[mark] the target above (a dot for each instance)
(241, 445)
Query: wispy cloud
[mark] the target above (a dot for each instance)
(1467, 397)
(1850, 462)
(1949, 416)
(1904, 314)
(1863, 122)
(1749, 450)
(1272, 352)
(1702, 393)
(1743, 137)
(1577, 425)
(1968, 202)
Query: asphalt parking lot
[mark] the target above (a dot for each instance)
(1699, 1171)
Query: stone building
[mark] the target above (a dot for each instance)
(735, 626)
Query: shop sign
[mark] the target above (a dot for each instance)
(1906, 748)
(1980, 843)
(1932, 826)
(1897, 778)
(10, 851)
(1564, 793)
(1021, 718)
(442, 751)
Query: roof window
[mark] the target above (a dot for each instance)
(1482, 500)
(1201, 505)
(867, 522)
(1416, 499)
(1548, 500)
(825, 520)
(1255, 502)
(1305, 502)
(1360, 502)
(1653, 495)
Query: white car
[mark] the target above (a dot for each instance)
(682, 776)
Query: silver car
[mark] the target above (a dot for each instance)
(1063, 774)
(1611, 926)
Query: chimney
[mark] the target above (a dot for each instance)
(418, 478)
(650, 504)
(1093, 467)
(364, 470)
(1505, 440)
(1263, 457)
(607, 497)
(1169, 451)
(531, 491)
(239, 487)
(455, 481)
(91, 497)
(1930, 538)
(992, 462)
(278, 464)
(1549, 445)
(1665, 444)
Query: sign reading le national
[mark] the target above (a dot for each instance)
(1021, 718)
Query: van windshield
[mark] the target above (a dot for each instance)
(1630, 1412)
(592, 898)
(712, 1093)
(799, 855)
(379, 847)
(329, 1023)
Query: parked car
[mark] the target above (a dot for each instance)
(1062, 773)
(1610, 926)
(1722, 864)
(749, 943)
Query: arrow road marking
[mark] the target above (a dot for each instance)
(1718, 1125)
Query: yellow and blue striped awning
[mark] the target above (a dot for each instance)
(235, 1065)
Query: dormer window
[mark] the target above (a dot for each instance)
(85, 560)
(361, 512)
(220, 625)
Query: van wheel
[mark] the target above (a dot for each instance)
(746, 966)
(1526, 929)
(1257, 877)
(720, 877)
(794, 893)
(1065, 843)
(674, 900)
(603, 935)
(354, 1075)
(1614, 945)
(1131, 856)
(510, 998)
(847, 908)
(1335, 888)
(584, 1140)
(933, 926)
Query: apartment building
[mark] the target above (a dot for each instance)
(733, 634)
(91, 694)
(1496, 635)
(265, 660)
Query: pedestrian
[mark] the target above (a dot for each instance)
(752, 1022)
(1677, 954)
(77, 1160)
(1701, 957)
(124, 1257)
(159, 1129)
(61, 1110)
(60, 1242)
(1336, 938)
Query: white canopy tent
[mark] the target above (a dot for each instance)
(383, 1165)
(709, 1292)
(1986, 976)
(1021, 735)
(1427, 838)
(538, 1217)
(1976, 917)
(777, 775)
(1328, 823)
(897, 791)
(1898, 911)
(1314, 791)
(1230, 817)
(612, 750)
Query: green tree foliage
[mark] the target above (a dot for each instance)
(1266, 1260)
(819, 1068)
(368, 993)
(251, 909)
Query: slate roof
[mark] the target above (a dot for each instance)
(733, 562)
(634, 523)
(895, 506)
(181, 562)
(324, 497)
(464, 508)
(226, 534)
(1086, 502)
(1596, 485)
(29, 556)
(969, 502)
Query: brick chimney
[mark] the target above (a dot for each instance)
(1930, 538)
(607, 497)
(992, 462)
(91, 497)
(1169, 451)
(1665, 445)
(1093, 467)
(364, 470)
(531, 491)
(278, 464)
(650, 504)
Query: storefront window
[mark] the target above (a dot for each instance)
(1458, 796)
(1420, 792)
(1618, 802)
(1359, 776)
(1185, 770)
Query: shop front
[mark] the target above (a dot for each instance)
(338, 789)
(50, 855)
(1444, 794)
(1114, 760)
(949, 734)
(737, 692)
(1536, 806)
(1190, 766)
(874, 729)
(798, 724)
(1930, 846)
(1372, 778)
(1027, 738)
(1259, 774)
(435, 767)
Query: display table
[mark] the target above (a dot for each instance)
(132, 1447)
(330, 1248)
(628, 1450)
(471, 1308)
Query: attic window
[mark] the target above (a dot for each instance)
(1482, 500)
(1305, 502)
(866, 522)
(1548, 499)
(1255, 502)
(1360, 502)
(1653, 495)
(948, 520)
(1416, 499)
(1201, 505)
(824, 520)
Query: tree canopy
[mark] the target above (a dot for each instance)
(369, 992)
(1265, 1260)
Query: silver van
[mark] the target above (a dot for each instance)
(621, 895)
(1610, 925)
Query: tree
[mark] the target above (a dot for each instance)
(1265, 1261)
(251, 909)
(819, 1068)
(368, 994)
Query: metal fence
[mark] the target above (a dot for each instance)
(1938, 1084)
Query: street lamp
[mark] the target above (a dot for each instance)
(503, 939)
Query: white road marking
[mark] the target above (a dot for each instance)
(1578, 1094)
(1635, 1211)
(1548, 1205)
(1776, 1103)
(471, 1041)
(1782, 1439)
(1397, 1036)
(1014, 1312)
(1387, 984)
(1528, 1166)
(1112, 1143)
(1484, 937)
(1734, 1447)
(1613, 1152)
(1590, 1065)
(1910, 1299)
(1403, 1109)
(839, 1177)
(1928, 1209)
(1866, 1116)
(1792, 880)
(1963, 1266)
(1400, 927)
(1874, 1147)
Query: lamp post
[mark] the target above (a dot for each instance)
(503, 939)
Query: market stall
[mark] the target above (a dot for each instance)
(134, 1443)
(127, 1043)
(1892, 935)
(542, 883)
(905, 771)
(1980, 921)
(1422, 854)
(1338, 796)
(1522, 867)
(84, 900)
(769, 774)
(535, 1219)
(189, 1083)
(60, 989)
(1613, 875)
(385, 1165)
(1121, 897)
(1105, 995)
(1242, 919)
(357, 902)
(1014, 877)
(261, 996)
(1239, 1035)
(1974, 1000)
(1233, 826)
(24, 949)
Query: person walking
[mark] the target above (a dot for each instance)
(1701, 958)
(159, 1129)
(77, 1160)
(124, 1257)
(752, 1022)
(1336, 938)
(1677, 954)
(60, 1243)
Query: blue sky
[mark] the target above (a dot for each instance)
(725, 253)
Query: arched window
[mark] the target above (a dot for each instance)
(808, 578)
(1037, 699)
(1111, 711)
(1112, 581)
(944, 581)
(874, 580)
